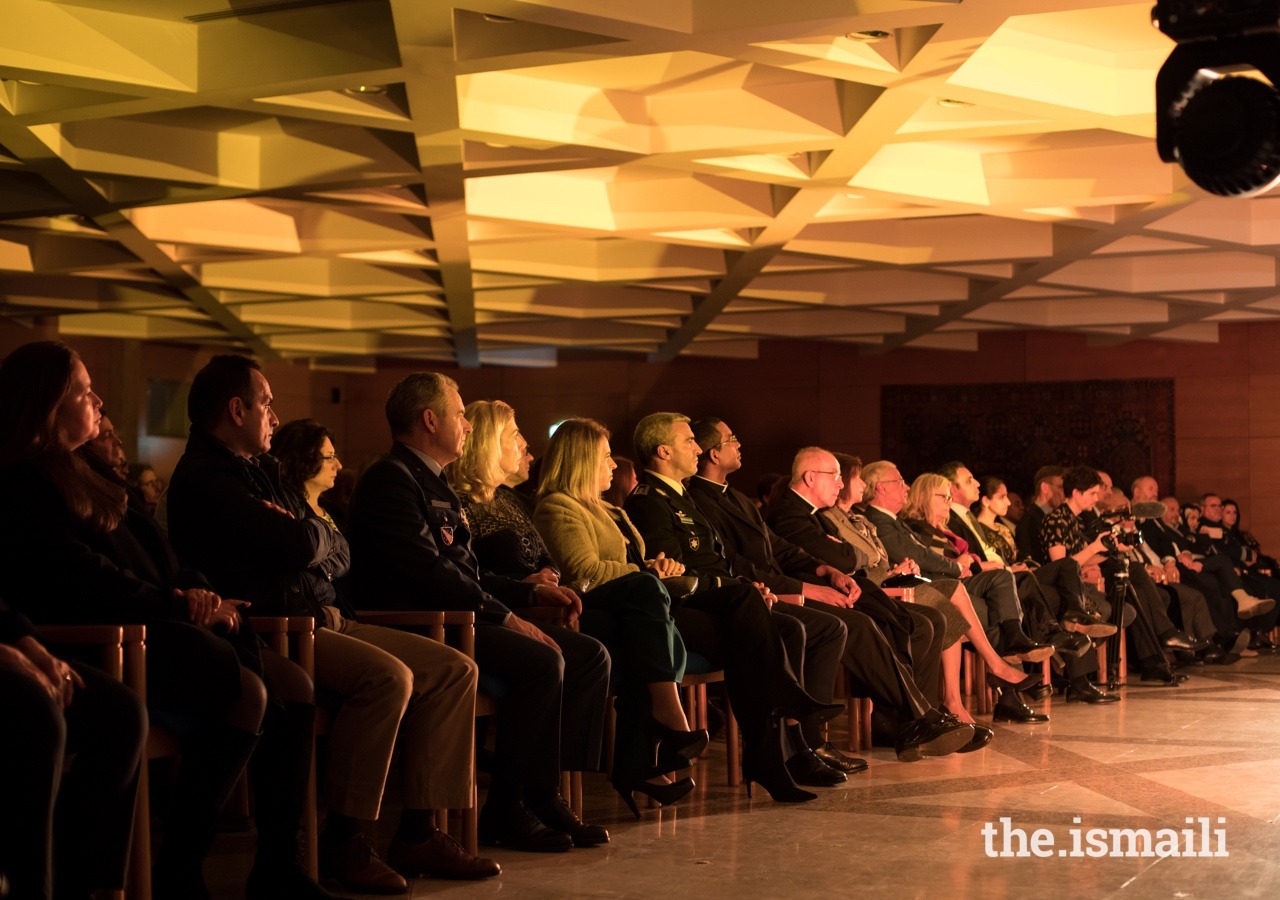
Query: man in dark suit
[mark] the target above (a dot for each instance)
(670, 520)
(1046, 497)
(411, 549)
(868, 615)
(790, 573)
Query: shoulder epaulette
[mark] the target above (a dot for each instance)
(640, 490)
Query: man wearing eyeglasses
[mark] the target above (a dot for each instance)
(883, 635)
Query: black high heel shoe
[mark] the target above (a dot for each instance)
(1025, 684)
(688, 744)
(766, 767)
(662, 794)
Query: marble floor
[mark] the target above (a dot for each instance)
(1209, 748)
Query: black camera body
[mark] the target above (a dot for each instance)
(1224, 130)
(1191, 20)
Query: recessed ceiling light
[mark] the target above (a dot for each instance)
(952, 103)
(365, 89)
(868, 37)
(497, 146)
(490, 17)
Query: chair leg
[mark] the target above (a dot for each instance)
(139, 880)
(733, 753)
(471, 820)
(702, 714)
(1102, 662)
(610, 737)
(311, 825)
(864, 713)
(1123, 665)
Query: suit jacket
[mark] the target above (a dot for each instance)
(794, 519)
(1027, 534)
(959, 526)
(1167, 542)
(675, 525)
(219, 524)
(411, 548)
(902, 544)
(765, 557)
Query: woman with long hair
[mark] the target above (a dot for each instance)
(926, 511)
(629, 615)
(80, 554)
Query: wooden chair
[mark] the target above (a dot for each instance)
(124, 657)
(294, 638)
(698, 673)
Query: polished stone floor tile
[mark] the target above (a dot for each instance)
(1208, 749)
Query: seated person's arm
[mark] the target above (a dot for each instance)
(570, 538)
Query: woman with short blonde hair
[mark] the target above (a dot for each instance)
(597, 548)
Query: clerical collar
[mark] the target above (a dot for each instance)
(893, 516)
(675, 485)
(812, 507)
(434, 466)
(724, 488)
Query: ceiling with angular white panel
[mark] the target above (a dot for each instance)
(494, 182)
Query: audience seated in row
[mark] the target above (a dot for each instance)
(653, 562)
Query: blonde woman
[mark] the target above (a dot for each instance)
(630, 614)
(926, 510)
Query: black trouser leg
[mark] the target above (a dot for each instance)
(106, 732)
(733, 627)
(586, 691)
(31, 753)
(878, 672)
(528, 732)
(825, 638)
(280, 770)
(208, 770)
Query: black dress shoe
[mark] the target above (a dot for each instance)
(982, 736)
(1179, 641)
(517, 828)
(1070, 643)
(1039, 692)
(1090, 694)
(1010, 708)
(1085, 623)
(832, 757)
(1025, 649)
(556, 815)
(807, 769)
(939, 737)
(1162, 675)
(1025, 684)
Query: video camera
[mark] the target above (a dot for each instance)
(1222, 128)
(1110, 525)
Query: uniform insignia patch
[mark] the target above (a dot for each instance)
(693, 543)
(442, 504)
(446, 534)
(640, 490)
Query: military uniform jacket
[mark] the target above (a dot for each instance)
(673, 524)
(411, 547)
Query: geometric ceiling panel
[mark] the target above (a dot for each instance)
(343, 181)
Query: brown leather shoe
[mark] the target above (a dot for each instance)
(439, 856)
(355, 865)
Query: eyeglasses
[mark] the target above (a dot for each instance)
(946, 497)
(835, 475)
(892, 481)
(332, 457)
(731, 439)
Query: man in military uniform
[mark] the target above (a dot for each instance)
(671, 521)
